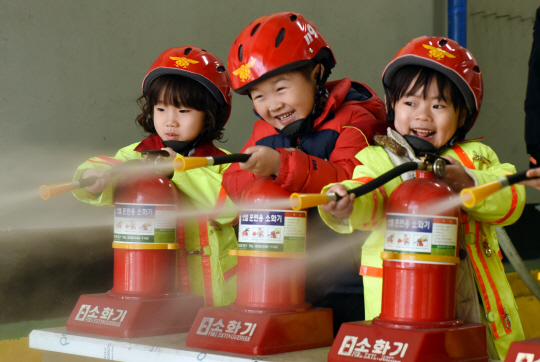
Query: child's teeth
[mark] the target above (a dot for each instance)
(284, 116)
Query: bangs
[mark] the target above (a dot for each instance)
(178, 92)
(404, 77)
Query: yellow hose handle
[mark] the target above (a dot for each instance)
(305, 201)
(48, 191)
(473, 195)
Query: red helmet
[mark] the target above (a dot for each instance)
(274, 44)
(449, 58)
(197, 64)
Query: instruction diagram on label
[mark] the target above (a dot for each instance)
(435, 235)
(273, 230)
(136, 223)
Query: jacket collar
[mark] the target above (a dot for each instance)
(154, 142)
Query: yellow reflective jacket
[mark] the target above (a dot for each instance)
(211, 271)
(477, 233)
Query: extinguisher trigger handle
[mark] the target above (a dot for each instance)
(432, 157)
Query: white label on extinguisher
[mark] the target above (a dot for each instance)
(421, 234)
(144, 223)
(273, 230)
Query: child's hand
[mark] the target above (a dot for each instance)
(534, 172)
(172, 154)
(103, 180)
(342, 208)
(455, 175)
(264, 161)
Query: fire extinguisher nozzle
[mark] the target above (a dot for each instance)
(182, 163)
(467, 198)
(48, 191)
(473, 195)
(306, 201)
(44, 192)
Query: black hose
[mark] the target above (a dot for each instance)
(384, 178)
(517, 177)
(232, 158)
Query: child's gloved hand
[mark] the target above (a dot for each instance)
(342, 208)
(534, 172)
(455, 175)
(264, 161)
(103, 180)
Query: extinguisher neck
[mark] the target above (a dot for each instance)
(424, 174)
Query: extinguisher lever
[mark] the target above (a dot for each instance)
(433, 163)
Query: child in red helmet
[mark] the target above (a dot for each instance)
(309, 130)
(434, 91)
(307, 136)
(185, 104)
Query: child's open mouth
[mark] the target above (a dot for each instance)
(285, 118)
(423, 133)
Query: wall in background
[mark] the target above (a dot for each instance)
(70, 73)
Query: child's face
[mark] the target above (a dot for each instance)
(177, 124)
(284, 98)
(430, 118)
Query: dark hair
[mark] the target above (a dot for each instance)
(401, 80)
(181, 91)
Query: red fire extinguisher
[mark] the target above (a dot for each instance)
(420, 261)
(146, 229)
(270, 309)
(421, 246)
(269, 280)
(146, 298)
(420, 272)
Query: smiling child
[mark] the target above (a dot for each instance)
(434, 91)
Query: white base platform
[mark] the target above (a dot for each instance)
(59, 345)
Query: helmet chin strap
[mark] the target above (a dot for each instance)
(420, 146)
(303, 126)
(181, 147)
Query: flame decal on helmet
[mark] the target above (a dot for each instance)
(183, 62)
(243, 72)
(437, 53)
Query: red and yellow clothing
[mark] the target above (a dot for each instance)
(206, 222)
(351, 115)
(482, 266)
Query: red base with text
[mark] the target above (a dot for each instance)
(524, 351)
(224, 329)
(135, 317)
(364, 341)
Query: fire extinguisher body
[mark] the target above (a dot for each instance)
(420, 258)
(271, 282)
(144, 265)
(146, 298)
